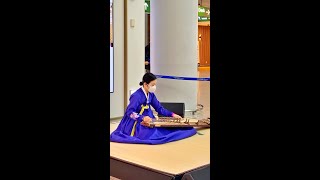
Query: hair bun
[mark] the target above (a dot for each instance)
(141, 83)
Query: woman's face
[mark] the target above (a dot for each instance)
(152, 83)
(151, 87)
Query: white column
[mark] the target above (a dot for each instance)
(174, 36)
(135, 44)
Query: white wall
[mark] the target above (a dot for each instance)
(146, 30)
(135, 52)
(117, 98)
(135, 44)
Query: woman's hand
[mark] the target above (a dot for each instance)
(147, 119)
(176, 116)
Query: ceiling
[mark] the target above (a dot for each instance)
(205, 3)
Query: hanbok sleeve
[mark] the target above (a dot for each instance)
(159, 108)
(133, 107)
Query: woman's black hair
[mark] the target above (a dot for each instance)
(147, 78)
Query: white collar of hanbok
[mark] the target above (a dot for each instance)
(145, 93)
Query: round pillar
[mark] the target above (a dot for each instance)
(173, 48)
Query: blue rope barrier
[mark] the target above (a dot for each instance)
(183, 78)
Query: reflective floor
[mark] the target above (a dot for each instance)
(203, 95)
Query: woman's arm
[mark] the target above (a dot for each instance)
(159, 108)
(133, 107)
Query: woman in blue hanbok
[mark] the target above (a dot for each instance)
(131, 131)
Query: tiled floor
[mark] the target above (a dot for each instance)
(203, 96)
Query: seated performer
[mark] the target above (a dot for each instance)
(131, 131)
